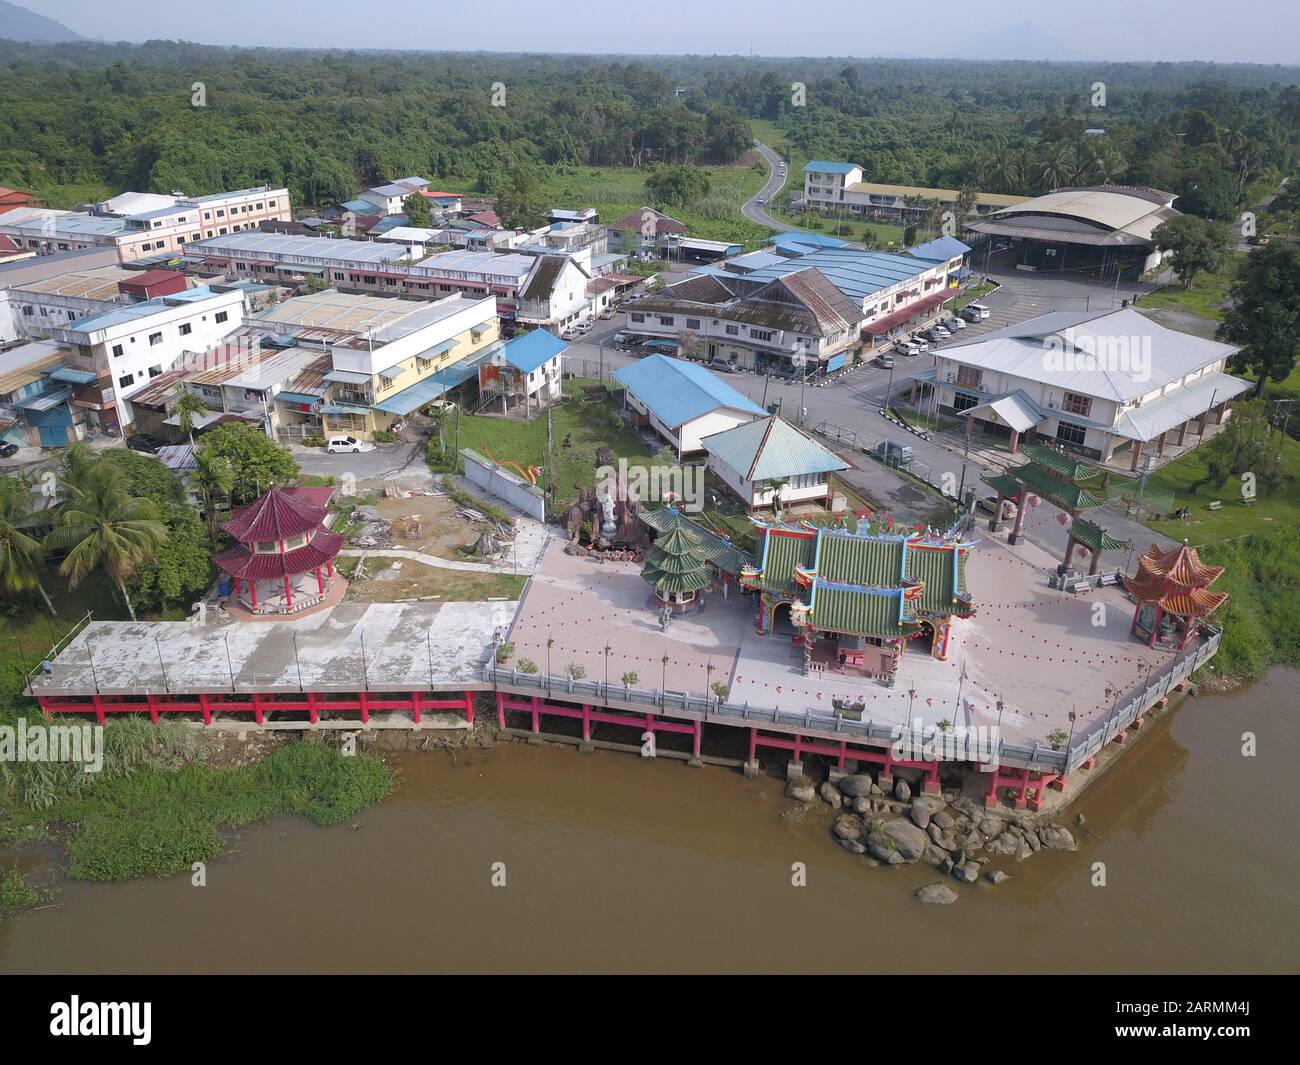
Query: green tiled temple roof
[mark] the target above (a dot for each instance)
(861, 611)
(781, 555)
(1060, 493)
(715, 549)
(849, 559)
(1008, 486)
(676, 562)
(1094, 537)
(1061, 464)
(933, 567)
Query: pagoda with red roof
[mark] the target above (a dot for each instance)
(1177, 583)
(282, 544)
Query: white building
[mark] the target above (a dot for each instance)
(770, 461)
(1100, 384)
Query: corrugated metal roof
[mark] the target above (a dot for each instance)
(526, 353)
(771, 448)
(678, 392)
(823, 166)
(1189, 401)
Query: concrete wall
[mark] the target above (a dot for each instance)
(500, 482)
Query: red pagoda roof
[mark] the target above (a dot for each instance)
(239, 561)
(278, 515)
(1177, 580)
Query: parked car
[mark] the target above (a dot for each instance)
(977, 309)
(884, 360)
(345, 444)
(722, 366)
(8, 449)
(441, 406)
(906, 347)
(893, 453)
(920, 342)
(607, 314)
(142, 442)
(954, 324)
(989, 504)
(934, 334)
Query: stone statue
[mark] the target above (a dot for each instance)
(608, 523)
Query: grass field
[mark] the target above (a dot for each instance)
(580, 427)
(1236, 517)
(414, 580)
(617, 191)
(1207, 297)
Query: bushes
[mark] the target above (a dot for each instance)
(16, 894)
(141, 817)
(384, 436)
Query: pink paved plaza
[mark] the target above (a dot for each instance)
(1043, 652)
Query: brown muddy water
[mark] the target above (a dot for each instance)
(617, 864)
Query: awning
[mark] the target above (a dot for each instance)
(294, 269)
(1015, 410)
(435, 385)
(344, 408)
(296, 397)
(885, 324)
(348, 377)
(46, 401)
(68, 376)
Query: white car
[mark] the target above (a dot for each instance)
(906, 347)
(348, 444)
(953, 325)
(977, 309)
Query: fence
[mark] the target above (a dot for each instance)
(1034, 756)
(500, 482)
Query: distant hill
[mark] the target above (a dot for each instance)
(19, 24)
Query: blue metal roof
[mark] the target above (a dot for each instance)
(808, 240)
(822, 166)
(69, 376)
(677, 392)
(858, 274)
(940, 249)
(430, 388)
(534, 349)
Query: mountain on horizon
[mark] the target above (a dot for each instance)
(20, 24)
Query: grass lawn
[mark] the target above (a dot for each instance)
(580, 427)
(415, 580)
(617, 191)
(1207, 297)
(1236, 517)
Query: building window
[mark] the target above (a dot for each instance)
(1073, 403)
(126, 380)
(117, 349)
(733, 330)
(760, 334)
(1069, 433)
(186, 329)
(154, 371)
(964, 401)
(969, 375)
(155, 339)
(666, 319)
(221, 316)
(637, 317)
(692, 323)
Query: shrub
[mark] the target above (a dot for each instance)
(504, 652)
(16, 894)
(575, 671)
(384, 436)
(526, 665)
(629, 679)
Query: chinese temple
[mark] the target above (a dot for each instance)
(283, 561)
(866, 594)
(1172, 590)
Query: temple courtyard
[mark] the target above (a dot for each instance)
(1042, 652)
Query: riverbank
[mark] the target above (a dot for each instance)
(620, 864)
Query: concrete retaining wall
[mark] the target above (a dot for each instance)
(498, 481)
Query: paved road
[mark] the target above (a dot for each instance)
(776, 180)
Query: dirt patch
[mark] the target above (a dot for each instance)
(429, 524)
(394, 580)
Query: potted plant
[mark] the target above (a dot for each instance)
(1056, 738)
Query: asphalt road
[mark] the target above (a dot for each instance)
(776, 180)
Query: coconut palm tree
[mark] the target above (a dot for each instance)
(187, 408)
(21, 554)
(74, 468)
(101, 524)
(214, 477)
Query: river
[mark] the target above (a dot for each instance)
(613, 863)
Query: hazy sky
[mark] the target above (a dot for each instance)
(1260, 31)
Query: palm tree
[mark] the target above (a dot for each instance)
(101, 524)
(21, 555)
(188, 407)
(776, 485)
(214, 477)
(75, 467)
(1059, 168)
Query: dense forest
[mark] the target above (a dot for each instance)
(80, 119)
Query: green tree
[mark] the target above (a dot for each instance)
(1196, 245)
(103, 526)
(182, 565)
(214, 477)
(1246, 444)
(256, 462)
(1264, 317)
(21, 554)
(188, 408)
(416, 209)
(519, 200)
(676, 186)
